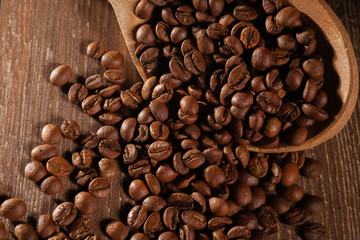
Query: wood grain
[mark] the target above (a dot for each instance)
(37, 35)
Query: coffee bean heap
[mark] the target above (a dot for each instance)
(186, 182)
(249, 63)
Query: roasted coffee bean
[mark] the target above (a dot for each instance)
(99, 187)
(165, 173)
(145, 35)
(159, 110)
(213, 155)
(280, 205)
(269, 102)
(58, 167)
(184, 14)
(313, 231)
(193, 159)
(35, 171)
(214, 176)
(310, 91)
(162, 31)
(13, 208)
(216, 7)
(138, 190)
(85, 203)
(262, 59)
(178, 34)
(108, 132)
(204, 17)
(64, 214)
(247, 179)
(219, 223)
(194, 62)
(136, 217)
(77, 93)
(238, 78)
(295, 217)
(51, 185)
(268, 217)
(85, 176)
(168, 16)
(238, 232)
(290, 174)
(287, 16)
(233, 45)
(297, 136)
(139, 236)
(218, 207)
(159, 131)
(247, 219)
(45, 226)
(194, 219)
(186, 232)
(127, 129)
(171, 218)
(115, 76)
(130, 99)
(92, 104)
(92, 237)
(258, 165)
(286, 42)
(109, 148)
(153, 183)
(227, 20)
(117, 230)
(154, 203)
(83, 159)
(60, 75)
(80, 228)
(162, 92)
(272, 6)
(245, 13)
(96, 49)
(250, 37)
(241, 194)
(168, 236)
(130, 153)
(58, 236)
(144, 9)
(51, 134)
(110, 118)
(25, 231)
(179, 70)
(108, 91)
(145, 116)
(181, 201)
(258, 198)
(160, 150)
(107, 168)
(288, 112)
(152, 225)
(70, 129)
(313, 205)
(205, 44)
(216, 31)
(138, 168)
(312, 168)
(112, 59)
(293, 193)
(314, 112)
(95, 81)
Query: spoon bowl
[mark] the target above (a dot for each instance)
(342, 57)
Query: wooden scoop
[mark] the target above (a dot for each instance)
(337, 44)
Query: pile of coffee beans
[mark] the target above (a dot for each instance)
(191, 175)
(252, 62)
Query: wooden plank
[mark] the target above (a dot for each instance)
(37, 35)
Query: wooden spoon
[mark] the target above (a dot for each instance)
(343, 60)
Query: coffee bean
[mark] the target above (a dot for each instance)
(205, 44)
(145, 35)
(35, 171)
(250, 37)
(99, 187)
(136, 217)
(193, 159)
(139, 236)
(92, 104)
(313, 231)
(238, 77)
(268, 217)
(94, 82)
(25, 231)
(293, 193)
(51, 185)
(313, 205)
(64, 214)
(186, 232)
(45, 226)
(80, 228)
(258, 198)
(51, 134)
(181, 201)
(85, 176)
(241, 194)
(13, 208)
(314, 112)
(58, 167)
(112, 59)
(58, 236)
(269, 102)
(109, 148)
(258, 165)
(77, 93)
(96, 49)
(138, 168)
(168, 235)
(130, 153)
(297, 136)
(194, 219)
(160, 150)
(247, 219)
(184, 14)
(238, 232)
(138, 190)
(295, 217)
(85, 203)
(107, 168)
(165, 173)
(60, 75)
(70, 129)
(92, 237)
(290, 174)
(83, 159)
(214, 176)
(115, 76)
(177, 34)
(218, 207)
(194, 62)
(288, 112)
(287, 16)
(219, 223)
(110, 118)
(312, 168)
(171, 218)
(216, 7)
(272, 6)
(144, 9)
(153, 183)
(244, 13)
(168, 16)
(117, 230)
(152, 225)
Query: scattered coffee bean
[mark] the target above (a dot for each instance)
(112, 60)
(64, 214)
(25, 231)
(70, 129)
(13, 208)
(51, 134)
(51, 185)
(96, 49)
(45, 226)
(116, 230)
(85, 203)
(35, 171)
(60, 75)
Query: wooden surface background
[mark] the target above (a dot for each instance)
(37, 35)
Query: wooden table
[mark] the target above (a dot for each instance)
(38, 35)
